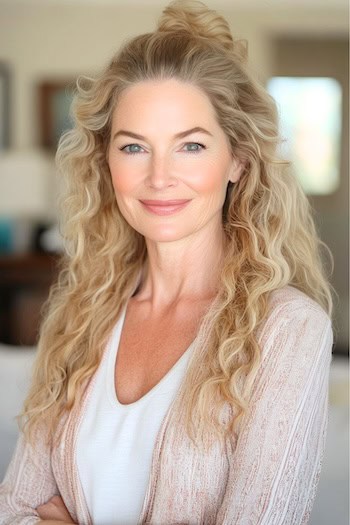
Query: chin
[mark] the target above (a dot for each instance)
(163, 234)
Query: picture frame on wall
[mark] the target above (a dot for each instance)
(55, 98)
(4, 106)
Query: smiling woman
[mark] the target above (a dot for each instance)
(182, 372)
(165, 167)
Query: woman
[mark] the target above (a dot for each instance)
(182, 371)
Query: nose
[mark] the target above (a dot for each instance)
(159, 173)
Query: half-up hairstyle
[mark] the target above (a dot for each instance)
(267, 219)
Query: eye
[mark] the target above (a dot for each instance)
(133, 149)
(194, 147)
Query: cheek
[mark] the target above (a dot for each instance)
(123, 181)
(212, 178)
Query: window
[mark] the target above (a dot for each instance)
(310, 128)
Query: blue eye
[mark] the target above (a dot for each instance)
(132, 149)
(132, 152)
(197, 150)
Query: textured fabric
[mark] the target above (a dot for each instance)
(115, 441)
(268, 476)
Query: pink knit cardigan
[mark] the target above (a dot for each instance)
(268, 476)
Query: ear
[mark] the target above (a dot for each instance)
(236, 169)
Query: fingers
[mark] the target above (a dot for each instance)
(54, 509)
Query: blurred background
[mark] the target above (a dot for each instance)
(298, 49)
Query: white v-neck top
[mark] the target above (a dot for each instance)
(115, 442)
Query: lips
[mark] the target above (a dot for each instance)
(164, 207)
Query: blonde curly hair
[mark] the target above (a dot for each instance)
(267, 219)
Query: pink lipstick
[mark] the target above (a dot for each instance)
(165, 207)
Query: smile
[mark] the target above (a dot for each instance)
(164, 207)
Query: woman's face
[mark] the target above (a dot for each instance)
(166, 145)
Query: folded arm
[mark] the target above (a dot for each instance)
(28, 483)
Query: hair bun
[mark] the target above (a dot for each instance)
(194, 17)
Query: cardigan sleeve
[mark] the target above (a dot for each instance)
(276, 464)
(28, 483)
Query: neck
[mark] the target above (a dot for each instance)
(183, 270)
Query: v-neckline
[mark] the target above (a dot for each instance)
(73, 431)
(114, 344)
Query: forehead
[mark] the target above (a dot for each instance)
(169, 100)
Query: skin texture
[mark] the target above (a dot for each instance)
(185, 249)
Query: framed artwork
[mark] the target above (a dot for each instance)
(4, 106)
(55, 99)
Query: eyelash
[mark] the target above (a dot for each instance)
(202, 147)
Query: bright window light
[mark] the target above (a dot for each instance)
(310, 127)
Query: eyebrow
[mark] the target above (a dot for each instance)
(180, 135)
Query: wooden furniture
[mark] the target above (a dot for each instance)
(25, 282)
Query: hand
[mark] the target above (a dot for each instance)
(54, 509)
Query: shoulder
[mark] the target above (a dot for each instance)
(296, 338)
(290, 300)
(295, 313)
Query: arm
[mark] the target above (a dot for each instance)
(276, 464)
(29, 482)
